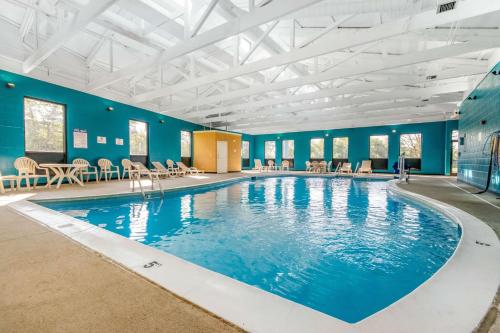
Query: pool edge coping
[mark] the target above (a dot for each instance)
(250, 315)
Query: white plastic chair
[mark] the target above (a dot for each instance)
(160, 169)
(174, 170)
(84, 168)
(127, 168)
(26, 168)
(13, 182)
(309, 166)
(270, 165)
(366, 167)
(257, 165)
(285, 165)
(107, 168)
(190, 170)
(346, 168)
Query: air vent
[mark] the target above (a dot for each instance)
(431, 77)
(444, 7)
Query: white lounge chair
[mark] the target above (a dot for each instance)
(189, 170)
(127, 168)
(27, 168)
(258, 165)
(346, 168)
(174, 170)
(107, 168)
(160, 169)
(84, 168)
(13, 182)
(366, 167)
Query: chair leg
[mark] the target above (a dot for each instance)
(2, 189)
(35, 181)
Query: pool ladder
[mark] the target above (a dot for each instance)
(136, 176)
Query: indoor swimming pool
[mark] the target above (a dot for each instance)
(345, 247)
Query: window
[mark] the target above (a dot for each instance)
(185, 144)
(410, 145)
(317, 149)
(379, 146)
(340, 148)
(186, 147)
(44, 126)
(288, 149)
(270, 150)
(245, 154)
(138, 133)
(379, 151)
(245, 150)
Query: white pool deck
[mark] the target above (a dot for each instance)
(454, 299)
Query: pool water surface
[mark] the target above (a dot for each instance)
(344, 247)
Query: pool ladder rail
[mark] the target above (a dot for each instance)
(153, 176)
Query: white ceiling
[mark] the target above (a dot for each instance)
(260, 66)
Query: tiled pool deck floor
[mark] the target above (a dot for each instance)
(49, 283)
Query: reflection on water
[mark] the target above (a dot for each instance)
(342, 246)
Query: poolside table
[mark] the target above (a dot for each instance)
(62, 171)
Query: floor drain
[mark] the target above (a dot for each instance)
(482, 244)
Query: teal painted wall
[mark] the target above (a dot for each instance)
(83, 111)
(435, 144)
(474, 159)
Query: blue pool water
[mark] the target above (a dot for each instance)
(344, 247)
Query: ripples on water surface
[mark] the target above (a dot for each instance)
(341, 246)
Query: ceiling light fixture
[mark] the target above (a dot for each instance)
(110, 108)
(10, 85)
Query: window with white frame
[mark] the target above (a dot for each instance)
(270, 150)
(288, 149)
(340, 148)
(317, 149)
(138, 135)
(44, 126)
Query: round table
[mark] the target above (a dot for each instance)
(62, 171)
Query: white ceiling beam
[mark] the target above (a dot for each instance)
(467, 9)
(337, 91)
(81, 19)
(395, 119)
(204, 17)
(413, 93)
(350, 110)
(384, 64)
(412, 107)
(272, 11)
(259, 41)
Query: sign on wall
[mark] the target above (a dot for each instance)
(101, 140)
(80, 138)
(119, 142)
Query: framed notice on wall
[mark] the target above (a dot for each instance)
(119, 142)
(80, 139)
(101, 140)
